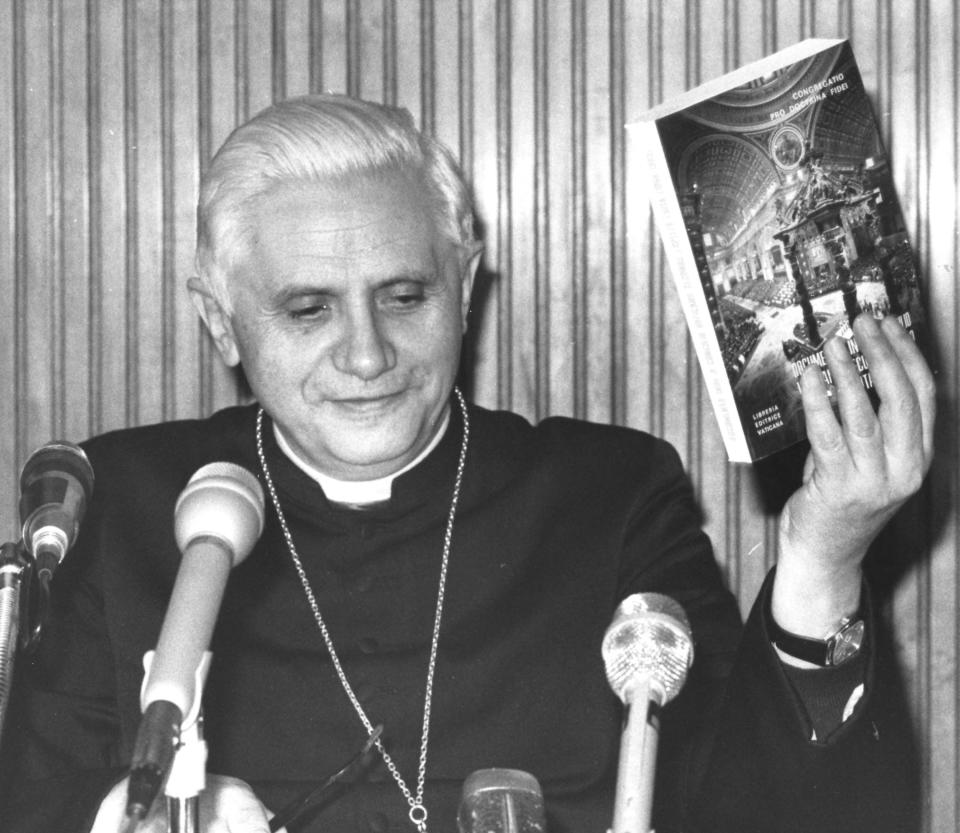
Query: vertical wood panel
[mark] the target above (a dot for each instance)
(555, 212)
(643, 278)
(170, 151)
(337, 57)
(132, 76)
(108, 227)
(75, 229)
(413, 88)
(262, 65)
(295, 37)
(898, 54)
(522, 276)
(148, 308)
(182, 149)
(10, 313)
(541, 209)
(36, 336)
(618, 232)
(483, 173)
(936, 198)
(578, 227)
(374, 22)
(673, 348)
(58, 196)
(596, 204)
(223, 102)
(112, 109)
(504, 202)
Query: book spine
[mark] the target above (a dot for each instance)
(654, 176)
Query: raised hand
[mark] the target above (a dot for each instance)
(859, 472)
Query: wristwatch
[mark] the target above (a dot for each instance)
(842, 645)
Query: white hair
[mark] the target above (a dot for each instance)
(318, 138)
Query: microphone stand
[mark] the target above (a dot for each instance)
(187, 780)
(13, 562)
(633, 804)
(188, 771)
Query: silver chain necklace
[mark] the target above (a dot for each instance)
(418, 812)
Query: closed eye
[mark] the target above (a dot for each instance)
(307, 308)
(407, 298)
(404, 295)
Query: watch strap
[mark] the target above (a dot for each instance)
(836, 649)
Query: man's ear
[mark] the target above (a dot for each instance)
(217, 321)
(468, 272)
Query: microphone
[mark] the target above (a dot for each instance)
(217, 520)
(56, 483)
(647, 651)
(501, 801)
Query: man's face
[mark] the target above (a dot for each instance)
(348, 314)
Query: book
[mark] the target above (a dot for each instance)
(772, 192)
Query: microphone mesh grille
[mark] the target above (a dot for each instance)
(649, 638)
(223, 501)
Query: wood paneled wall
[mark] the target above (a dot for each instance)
(110, 109)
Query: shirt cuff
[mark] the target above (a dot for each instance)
(828, 695)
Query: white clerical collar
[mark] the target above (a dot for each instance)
(356, 492)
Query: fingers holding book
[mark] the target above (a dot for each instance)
(865, 461)
(889, 446)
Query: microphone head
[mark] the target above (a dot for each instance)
(648, 640)
(501, 801)
(56, 484)
(222, 501)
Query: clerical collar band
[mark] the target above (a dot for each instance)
(357, 492)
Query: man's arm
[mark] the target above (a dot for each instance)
(757, 763)
(859, 471)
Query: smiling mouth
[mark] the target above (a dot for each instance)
(369, 404)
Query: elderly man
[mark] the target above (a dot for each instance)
(443, 570)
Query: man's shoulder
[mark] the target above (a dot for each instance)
(567, 441)
(175, 445)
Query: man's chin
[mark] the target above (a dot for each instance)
(380, 443)
(377, 457)
(372, 468)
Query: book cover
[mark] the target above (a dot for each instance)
(772, 192)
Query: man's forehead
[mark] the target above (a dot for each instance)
(350, 202)
(341, 239)
(343, 225)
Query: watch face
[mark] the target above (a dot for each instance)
(846, 644)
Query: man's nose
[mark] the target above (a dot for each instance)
(364, 350)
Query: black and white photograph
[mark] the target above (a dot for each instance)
(479, 416)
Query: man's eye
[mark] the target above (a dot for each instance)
(406, 297)
(308, 310)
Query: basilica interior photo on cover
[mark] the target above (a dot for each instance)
(789, 205)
